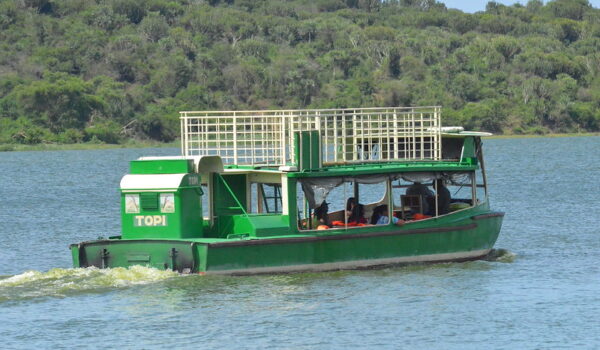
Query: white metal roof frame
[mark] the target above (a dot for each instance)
(350, 135)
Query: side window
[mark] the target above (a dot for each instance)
(414, 197)
(339, 203)
(370, 196)
(460, 186)
(205, 198)
(398, 189)
(265, 198)
(481, 190)
(432, 194)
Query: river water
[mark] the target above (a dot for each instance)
(541, 290)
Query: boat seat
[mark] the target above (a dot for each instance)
(412, 201)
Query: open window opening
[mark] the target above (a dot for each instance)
(206, 202)
(341, 202)
(424, 195)
(481, 191)
(348, 202)
(266, 198)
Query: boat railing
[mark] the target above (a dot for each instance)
(351, 135)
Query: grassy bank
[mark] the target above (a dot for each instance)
(85, 146)
(176, 144)
(521, 136)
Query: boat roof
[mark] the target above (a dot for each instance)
(386, 168)
(348, 135)
(459, 131)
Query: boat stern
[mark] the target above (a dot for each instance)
(180, 256)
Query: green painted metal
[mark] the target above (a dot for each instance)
(230, 200)
(163, 213)
(360, 248)
(257, 225)
(174, 255)
(185, 222)
(451, 237)
(163, 166)
(307, 150)
(468, 153)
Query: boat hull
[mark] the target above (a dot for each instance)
(468, 238)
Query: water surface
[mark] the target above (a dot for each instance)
(540, 291)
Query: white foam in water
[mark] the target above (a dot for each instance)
(17, 279)
(63, 282)
(501, 255)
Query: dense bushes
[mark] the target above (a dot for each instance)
(109, 70)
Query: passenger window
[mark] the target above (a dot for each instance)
(481, 190)
(422, 199)
(460, 186)
(339, 203)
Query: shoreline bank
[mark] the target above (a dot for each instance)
(84, 146)
(176, 144)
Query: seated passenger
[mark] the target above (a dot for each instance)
(321, 217)
(383, 217)
(377, 212)
(418, 189)
(357, 218)
(350, 204)
(444, 197)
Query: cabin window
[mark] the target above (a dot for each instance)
(266, 198)
(205, 201)
(167, 202)
(452, 148)
(132, 203)
(414, 194)
(460, 185)
(481, 191)
(349, 201)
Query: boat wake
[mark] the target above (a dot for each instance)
(66, 282)
(500, 255)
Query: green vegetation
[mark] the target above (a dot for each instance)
(130, 143)
(107, 71)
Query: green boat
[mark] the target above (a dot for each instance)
(304, 190)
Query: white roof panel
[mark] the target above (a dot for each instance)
(151, 181)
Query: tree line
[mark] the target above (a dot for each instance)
(111, 70)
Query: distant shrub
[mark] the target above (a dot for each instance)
(70, 136)
(106, 131)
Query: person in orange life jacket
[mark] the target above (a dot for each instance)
(357, 218)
